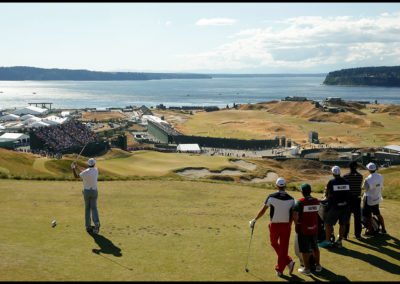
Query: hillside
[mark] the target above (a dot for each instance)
(19, 73)
(365, 76)
(361, 126)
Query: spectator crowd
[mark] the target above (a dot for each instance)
(65, 136)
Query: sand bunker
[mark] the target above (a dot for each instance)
(202, 172)
(270, 177)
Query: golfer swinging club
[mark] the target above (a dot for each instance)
(89, 177)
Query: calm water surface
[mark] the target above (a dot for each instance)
(181, 92)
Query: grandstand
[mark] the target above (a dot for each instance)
(68, 137)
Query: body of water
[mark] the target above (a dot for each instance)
(182, 92)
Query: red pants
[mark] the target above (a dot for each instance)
(279, 234)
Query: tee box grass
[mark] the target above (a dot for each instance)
(155, 230)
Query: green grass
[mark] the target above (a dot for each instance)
(151, 163)
(157, 230)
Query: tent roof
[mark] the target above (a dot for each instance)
(13, 136)
(9, 116)
(393, 147)
(188, 147)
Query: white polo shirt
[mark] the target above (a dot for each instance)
(373, 185)
(89, 178)
(281, 205)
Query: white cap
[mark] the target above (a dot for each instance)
(336, 170)
(91, 162)
(371, 167)
(280, 182)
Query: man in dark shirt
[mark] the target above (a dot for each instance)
(355, 181)
(338, 195)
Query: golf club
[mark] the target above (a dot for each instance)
(248, 251)
(81, 152)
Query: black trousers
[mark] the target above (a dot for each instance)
(355, 209)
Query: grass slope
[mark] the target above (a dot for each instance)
(157, 230)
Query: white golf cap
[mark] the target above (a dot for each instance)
(280, 182)
(91, 162)
(336, 170)
(371, 167)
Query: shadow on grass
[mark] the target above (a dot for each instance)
(291, 278)
(326, 274)
(107, 247)
(371, 259)
(380, 244)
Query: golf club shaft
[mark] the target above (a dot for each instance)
(248, 250)
(80, 152)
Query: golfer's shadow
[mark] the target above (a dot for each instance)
(106, 246)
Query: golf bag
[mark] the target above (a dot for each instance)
(376, 225)
(321, 224)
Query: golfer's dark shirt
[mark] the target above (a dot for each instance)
(355, 180)
(337, 197)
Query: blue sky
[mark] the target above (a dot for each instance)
(200, 37)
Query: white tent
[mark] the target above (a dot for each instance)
(191, 148)
(32, 120)
(9, 117)
(145, 118)
(65, 113)
(27, 116)
(18, 137)
(392, 148)
(31, 110)
(54, 120)
(39, 124)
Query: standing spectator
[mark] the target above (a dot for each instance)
(281, 204)
(373, 186)
(338, 196)
(354, 179)
(305, 217)
(90, 194)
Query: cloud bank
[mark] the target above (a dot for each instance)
(305, 44)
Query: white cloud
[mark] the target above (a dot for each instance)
(168, 23)
(216, 22)
(306, 43)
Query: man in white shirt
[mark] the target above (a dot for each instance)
(373, 185)
(281, 204)
(89, 177)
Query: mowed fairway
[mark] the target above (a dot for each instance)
(157, 230)
(149, 163)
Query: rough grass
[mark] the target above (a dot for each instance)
(174, 231)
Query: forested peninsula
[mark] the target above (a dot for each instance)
(365, 76)
(21, 73)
